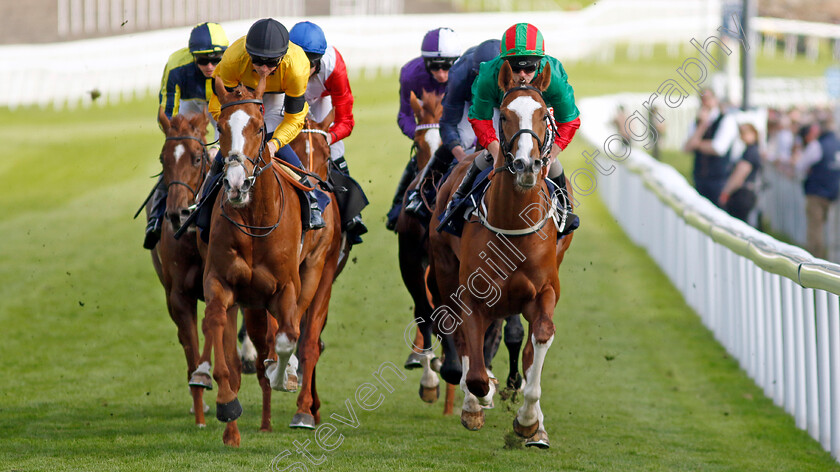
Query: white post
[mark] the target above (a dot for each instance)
(823, 371)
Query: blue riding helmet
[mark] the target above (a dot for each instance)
(310, 37)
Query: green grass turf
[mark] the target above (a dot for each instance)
(94, 378)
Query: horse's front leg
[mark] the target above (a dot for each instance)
(219, 300)
(475, 383)
(282, 374)
(313, 323)
(529, 422)
(260, 327)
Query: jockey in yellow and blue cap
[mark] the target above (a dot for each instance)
(186, 88)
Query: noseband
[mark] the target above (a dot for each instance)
(543, 144)
(204, 159)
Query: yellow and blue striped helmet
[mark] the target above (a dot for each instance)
(208, 38)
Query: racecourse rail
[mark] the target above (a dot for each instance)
(773, 306)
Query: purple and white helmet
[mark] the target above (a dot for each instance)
(441, 43)
(440, 49)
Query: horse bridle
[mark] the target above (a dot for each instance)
(248, 229)
(254, 162)
(205, 158)
(544, 144)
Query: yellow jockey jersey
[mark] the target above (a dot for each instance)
(290, 77)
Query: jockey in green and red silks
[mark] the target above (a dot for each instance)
(522, 46)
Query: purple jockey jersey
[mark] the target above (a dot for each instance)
(414, 78)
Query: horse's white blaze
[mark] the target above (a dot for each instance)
(238, 120)
(530, 412)
(524, 107)
(433, 139)
(179, 151)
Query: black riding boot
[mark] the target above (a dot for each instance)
(209, 192)
(407, 176)
(315, 220)
(438, 163)
(153, 228)
(467, 183)
(572, 221)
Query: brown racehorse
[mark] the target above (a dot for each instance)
(177, 262)
(258, 255)
(312, 147)
(413, 242)
(505, 264)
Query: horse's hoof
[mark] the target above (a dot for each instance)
(248, 366)
(230, 411)
(201, 425)
(200, 379)
(430, 394)
(525, 431)
(539, 439)
(435, 364)
(414, 361)
(473, 421)
(302, 420)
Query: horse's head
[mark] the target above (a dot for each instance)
(241, 139)
(525, 126)
(312, 146)
(185, 162)
(427, 111)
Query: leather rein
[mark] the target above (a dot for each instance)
(250, 230)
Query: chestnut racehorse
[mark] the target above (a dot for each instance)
(312, 147)
(177, 262)
(258, 256)
(504, 264)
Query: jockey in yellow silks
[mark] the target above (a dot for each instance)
(266, 52)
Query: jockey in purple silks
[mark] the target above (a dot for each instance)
(429, 72)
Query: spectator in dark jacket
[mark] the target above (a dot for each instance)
(818, 159)
(738, 196)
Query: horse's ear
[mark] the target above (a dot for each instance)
(506, 80)
(258, 93)
(543, 80)
(199, 122)
(416, 106)
(221, 91)
(163, 120)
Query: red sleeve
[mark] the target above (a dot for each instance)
(484, 131)
(338, 87)
(565, 132)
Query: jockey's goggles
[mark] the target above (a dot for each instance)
(527, 64)
(266, 61)
(203, 60)
(439, 63)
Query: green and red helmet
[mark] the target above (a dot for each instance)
(522, 39)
